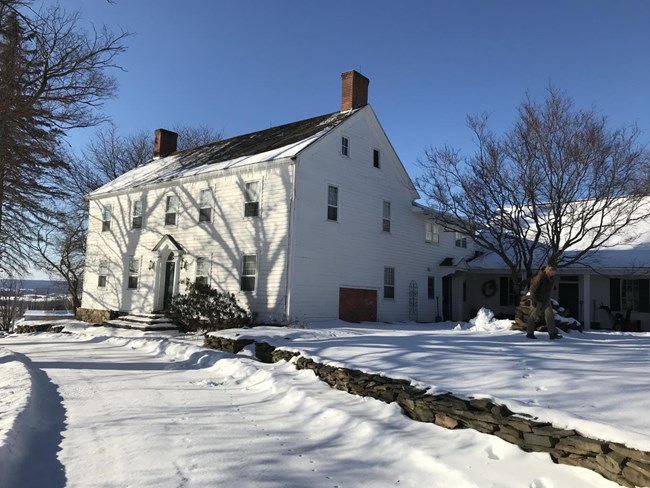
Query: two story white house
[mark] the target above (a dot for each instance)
(312, 220)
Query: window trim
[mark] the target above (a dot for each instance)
(389, 283)
(460, 240)
(206, 269)
(202, 207)
(175, 212)
(249, 203)
(102, 266)
(242, 276)
(435, 236)
(106, 223)
(333, 206)
(134, 216)
(345, 146)
(133, 274)
(386, 216)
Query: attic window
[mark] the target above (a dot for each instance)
(375, 158)
(345, 146)
(136, 215)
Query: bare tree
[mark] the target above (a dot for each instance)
(11, 303)
(556, 187)
(53, 78)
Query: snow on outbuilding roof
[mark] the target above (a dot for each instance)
(283, 141)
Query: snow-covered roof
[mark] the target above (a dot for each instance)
(284, 141)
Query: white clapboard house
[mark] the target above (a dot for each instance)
(311, 220)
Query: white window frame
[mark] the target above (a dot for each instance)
(205, 205)
(202, 272)
(252, 201)
(385, 216)
(171, 209)
(460, 240)
(332, 207)
(431, 232)
(345, 146)
(133, 273)
(389, 283)
(102, 272)
(247, 276)
(107, 216)
(136, 218)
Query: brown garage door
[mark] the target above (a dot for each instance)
(356, 305)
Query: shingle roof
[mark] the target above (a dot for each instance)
(266, 145)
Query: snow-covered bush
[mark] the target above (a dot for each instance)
(203, 307)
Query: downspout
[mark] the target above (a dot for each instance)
(290, 218)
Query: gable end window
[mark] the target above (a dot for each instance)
(385, 223)
(431, 233)
(136, 215)
(252, 199)
(171, 210)
(375, 158)
(345, 146)
(134, 272)
(107, 215)
(389, 283)
(332, 203)
(460, 240)
(102, 273)
(202, 270)
(205, 206)
(248, 270)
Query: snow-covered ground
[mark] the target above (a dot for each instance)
(116, 408)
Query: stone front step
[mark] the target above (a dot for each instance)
(142, 322)
(146, 318)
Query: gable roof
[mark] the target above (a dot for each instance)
(283, 141)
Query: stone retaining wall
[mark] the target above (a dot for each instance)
(625, 466)
(95, 316)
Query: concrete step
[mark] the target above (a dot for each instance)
(146, 319)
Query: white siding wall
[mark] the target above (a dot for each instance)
(229, 236)
(354, 251)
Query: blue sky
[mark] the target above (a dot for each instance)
(242, 65)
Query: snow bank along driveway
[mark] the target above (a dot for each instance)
(97, 411)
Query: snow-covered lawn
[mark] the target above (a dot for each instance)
(107, 407)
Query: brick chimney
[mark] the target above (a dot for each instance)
(355, 90)
(164, 143)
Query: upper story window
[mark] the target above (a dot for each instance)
(385, 223)
(460, 240)
(345, 146)
(171, 210)
(375, 158)
(134, 272)
(136, 215)
(248, 270)
(431, 233)
(205, 206)
(389, 282)
(332, 203)
(102, 273)
(202, 270)
(107, 215)
(252, 199)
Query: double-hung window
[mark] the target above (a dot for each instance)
(431, 287)
(460, 240)
(202, 270)
(102, 273)
(389, 282)
(332, 203)
(431, 233)
(107, 215)
(248, 270)
(134, 272)
(136, 215)
(171, 210)
(205, 206)
(345, 146)
(252, 199)
(385, 222)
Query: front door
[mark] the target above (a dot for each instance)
(169, 284)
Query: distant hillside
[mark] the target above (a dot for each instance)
(43, 287)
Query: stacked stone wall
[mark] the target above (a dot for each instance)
(95, 316)
(625, 466)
